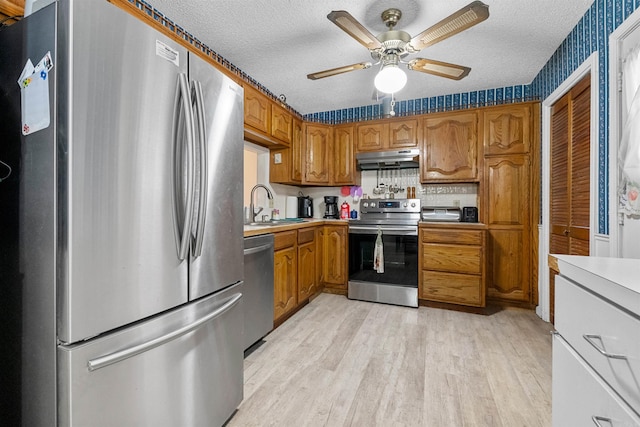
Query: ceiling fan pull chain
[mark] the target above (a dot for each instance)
(393, 104)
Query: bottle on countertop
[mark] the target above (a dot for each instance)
(344, 210)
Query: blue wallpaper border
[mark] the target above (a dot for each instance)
(457, 101)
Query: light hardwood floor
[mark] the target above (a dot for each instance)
(340, 362)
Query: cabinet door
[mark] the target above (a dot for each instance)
(284, 281)
(335, 256)
(450, 148)
(317, 142)
(307, 284)
(372, 136)
(319, 255)
(403, 134)
(285, 164)
(257, 110)
(296, 152)
(281, 124)
(507, 130)
(508, 217)
(343, 167)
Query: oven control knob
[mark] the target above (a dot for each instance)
(413, 204)
(405, 204)
(365, 205)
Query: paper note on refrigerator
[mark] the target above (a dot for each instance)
(34, 95)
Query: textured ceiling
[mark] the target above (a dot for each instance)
(278, 42)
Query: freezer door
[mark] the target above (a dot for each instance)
(120, 260)
(217, 249)
(184, 368)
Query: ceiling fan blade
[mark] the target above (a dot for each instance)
(437, 68)
(339, 70)
(351, 26)
(470, 15)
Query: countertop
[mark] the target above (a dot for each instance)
(255, 230)
(617, 279)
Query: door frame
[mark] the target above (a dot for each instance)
(589, 65)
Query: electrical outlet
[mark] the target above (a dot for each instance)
(277, 158)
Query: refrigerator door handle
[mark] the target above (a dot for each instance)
(202, 139)
(182, 113)
(118, 356)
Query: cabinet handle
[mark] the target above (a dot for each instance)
(566, 232)
(596, 420)
(590, 338)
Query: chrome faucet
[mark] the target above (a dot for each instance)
(252, 206)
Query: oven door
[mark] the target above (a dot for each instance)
(399, 282)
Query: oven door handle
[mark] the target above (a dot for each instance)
(398, 231)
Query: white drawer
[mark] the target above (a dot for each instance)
(580, 397)
(607, 337)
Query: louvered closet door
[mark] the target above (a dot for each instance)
(570, 171)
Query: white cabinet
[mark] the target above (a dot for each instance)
(596, 350)
(580, 396)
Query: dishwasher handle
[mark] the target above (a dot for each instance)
(261, 248)
(118, 356)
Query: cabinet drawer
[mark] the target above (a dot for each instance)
(463, 237)
(451, 288)
(452, 258)
(306, 235)
(579, 394)
(284, 239)
(586, 322)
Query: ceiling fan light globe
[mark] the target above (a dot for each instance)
(390, 79)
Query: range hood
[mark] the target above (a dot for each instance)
(397, 159)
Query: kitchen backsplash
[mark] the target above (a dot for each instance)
(429, 194)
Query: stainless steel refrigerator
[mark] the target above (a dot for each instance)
(124, 250)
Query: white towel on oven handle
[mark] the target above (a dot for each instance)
(378, 254)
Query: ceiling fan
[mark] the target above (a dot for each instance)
(392, 46)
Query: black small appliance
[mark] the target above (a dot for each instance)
(469, 214)
(331, 210)
(305, 206)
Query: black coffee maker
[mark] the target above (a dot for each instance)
(331, 207)
(305, 206)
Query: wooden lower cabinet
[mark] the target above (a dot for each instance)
(452, 264)
(297, 260)
(307, 278)
(335, 258)
(285, 270)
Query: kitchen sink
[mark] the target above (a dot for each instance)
(265, 224)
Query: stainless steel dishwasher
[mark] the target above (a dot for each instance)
(258, 288)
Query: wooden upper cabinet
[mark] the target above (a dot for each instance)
(296, 152)
(285, 164)
(317, 144)
(390, 134)
(372, 136)
(450, 150)
(403, 134)
(257, 110)
(507, 129)
(281, 124)
(265, 122)
(343, 165)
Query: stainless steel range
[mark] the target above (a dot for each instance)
(383, 252)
